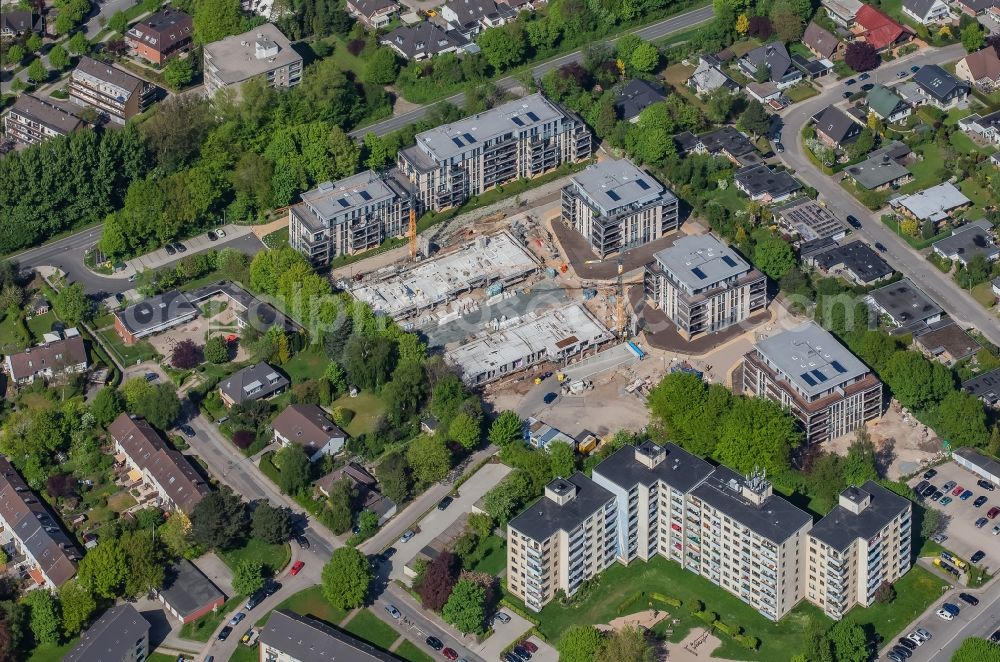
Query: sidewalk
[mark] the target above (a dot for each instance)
(197, 244)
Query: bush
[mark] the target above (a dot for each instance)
(342, 416)
(244, 438)
(355, 46)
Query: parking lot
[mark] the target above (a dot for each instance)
(964, 539)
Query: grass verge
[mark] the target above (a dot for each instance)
(201, 629)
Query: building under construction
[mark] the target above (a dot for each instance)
(519, 343)
(492, 262)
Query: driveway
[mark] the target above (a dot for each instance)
(504, 634)
(956, 301)
(436, 521)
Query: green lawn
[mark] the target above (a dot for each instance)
(494, 556)
(983, 293)
(41, 324)
(409, 651)
(801, 92)
(308, 364)
(51, 652)
(243, 654)
(127, 354)
(964, 144)
(162, 657)
(212, 308)
(914, 592)
(367, 407)
(311, 602)
(368, 626)
(201, 629)
(275, 557)
(7, 325)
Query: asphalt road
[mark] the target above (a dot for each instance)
(956, 301)
(652, 32)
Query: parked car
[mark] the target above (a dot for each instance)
(532, 648)
(945, 501)
(235, 620)
(948, 486)
(212, 236)
(981, 522)
(856, 224)
(903, 652)
(900, 74)
(779, 148)
(510, 657)
(220, 232)
(966, 495)
(880, 246)
(847, 95)
(867, 86)
(958, 490)
(850, 81)
(302, 541)
(995, 637)
(928, 491)
(444, 503)
(502, 617)
(920, 487)
(181, 248)
(864, 76)
(993, 512)
(996, 530)
(434, 643)
(449, 654)
(930, 473)
(939, 538)
(951, 609)
(924, 634)
(224, 633)
(915, 639)
(937, 495)
(986, 485)
(980, 500)
(187, 430)
(407, 535)
(914, 69)
(151, 376)
(968, 599)
(297, 567)
(894, 657)
(169, 248)
(978, 556)
(392, 611)
(945, 615)
(522, 653)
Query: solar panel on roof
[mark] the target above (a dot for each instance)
(729, 261)
(457, 142)
(343, 202)
(839, 368)
(699, 273)
(807, 379)
(818, 374)
(532, 116)
(468, 138)
(614, 196)
(365, 195)
(517, 120)
(641, 183)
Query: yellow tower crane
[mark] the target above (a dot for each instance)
(413, 234)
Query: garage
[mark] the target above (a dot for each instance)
(979, 464)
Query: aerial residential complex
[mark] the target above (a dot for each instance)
(109, 90)
(263, 51)
(828, 389)
(703, 286)
(731, 529)
(522, 138)
(32, 120)
(350, 216)
(616, 206)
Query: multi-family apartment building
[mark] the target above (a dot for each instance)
(109, 90)
(121, 634)
(862, 543)
(829, 390)
(35, 545)
(32, 120)
(350, 216)
(161, 36)
(263, 51)
(650, 500)
(703, 286)
(616, 206)
(520, 139)
(561, 540)
(178, 486)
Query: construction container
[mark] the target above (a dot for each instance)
(550, 272)
(494, 289)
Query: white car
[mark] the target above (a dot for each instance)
(996, 530)
(916, 638)
(923, 634)
(392, 611)
(946, 615)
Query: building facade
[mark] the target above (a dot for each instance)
(520, 139)
(161, 36)
(109, 90)
(829, 390)
(563, 539)
(703, 286)
(32, 120)
(350, 216)
(617, 206)
(53, 358)
(263, 51)
(121, 634)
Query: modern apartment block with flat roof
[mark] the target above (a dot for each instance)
(520, 139)
(861, 544)
(616, 206)
(828, 389)
(703, 286)
(109, 90)
(263, 51)
(350, 216)
(561, 540)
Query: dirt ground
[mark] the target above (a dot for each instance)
(903, 443)
(199, 330)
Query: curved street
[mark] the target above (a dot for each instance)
(957, 302)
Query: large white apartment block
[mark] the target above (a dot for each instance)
(616, 206)
(828, 389)
(730, 529)
(350, 216)
(861, 544)
(263, 51)
(520, 139)
(704, 286)
(561, 540)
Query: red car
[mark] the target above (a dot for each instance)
(298, 566)
(532, 648)
(958, 490)
(994, 511)
(450, 654)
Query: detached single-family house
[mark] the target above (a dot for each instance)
(926, 12)
(855, 261)
(726, 141)
(775, 60)
(988, 127)
(887, 105)
(968, 241)
(836, 128)
(946, 342)
(540, 434)
(63, 356)
(423, 40)
(766, 93)
(935, 204)
(842, 12)
(905, 305)
(882, 169)
(470, 17)
(876, 28)
(366, 486)
(635, 96)
(975, 7)
(981, 69)
(761, 184)
(255, 382)
(374, 14)
(708, 76)
(822, 43)
(14, 23)
(308, 426)
(939, 88)
(161, 36)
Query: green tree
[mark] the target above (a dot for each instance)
(382, 67)
(294, 468)
(45, 620)
(962, 419)
(755, 119)
(466, 430)
(503, 501)
(216, 19)
(367, 523)
(757, 433)
(849, 642)
(368, 360)
(378, 152)
(103, 569)
(644, 58)
(466, 607)
(271, 525)
(78, 44)
(720, 104)
(975, 649)
(145, 561)
(217, 350)
(580, 643)
(339, 513)
(864, 143)
(563, 459)
(118, 22)
(429, 459)
(773, 256)
(15, 54)
(159, 405)
(178, 72)
(72, 305)
(394, 476)
(106, 406)
(931, 522)
(504, 46)
(625, 645)
(917, 382)
(58, 57)
(77, 604)
(248, 576)
(33, 43)
(506, 429)
(219, 520)
(346, 578)
(859, 465)
(972, 37)
(406, 390)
